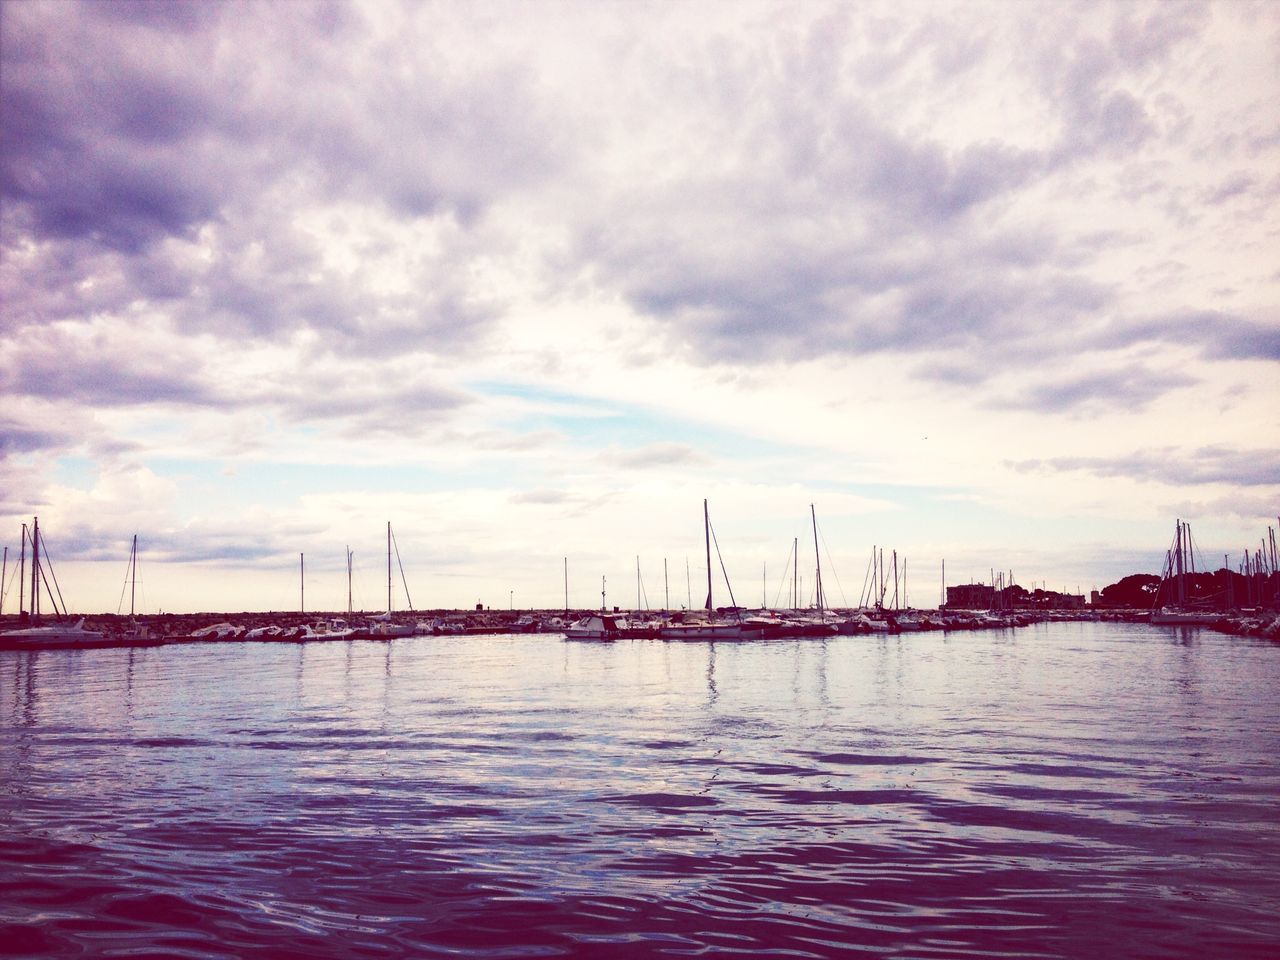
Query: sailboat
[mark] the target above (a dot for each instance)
(383, 626)
(706, 627)
(1177, 610)
(51, 634)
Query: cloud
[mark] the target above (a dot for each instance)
(16, 438)
(542, 497)
(1130, 388)
(657, 455)
(1219, 335)
(1205, 465)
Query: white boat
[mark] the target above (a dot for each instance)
(327, 630)
(264, 633)
(709, 630)
(703, 626)
(1180, 609)
(385, 628)
(1182, 616)
(37, 634)
(218, 631)
(595, 627)
(382, 626)
(59, 634)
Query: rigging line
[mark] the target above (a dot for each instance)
(407, 599)
(832, 563)
(8, 587)
(866, 580)
(785, 579)
(125, 586)
(52, 574)
(723, 571)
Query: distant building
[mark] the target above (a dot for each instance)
(970, 596)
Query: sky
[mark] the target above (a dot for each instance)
(993, 286)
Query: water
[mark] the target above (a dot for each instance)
(1065, 790)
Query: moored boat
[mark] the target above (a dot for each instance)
(55, 635)
(598, 627)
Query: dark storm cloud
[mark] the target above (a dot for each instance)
(1214, 464)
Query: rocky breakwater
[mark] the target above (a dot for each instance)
(1257, 623)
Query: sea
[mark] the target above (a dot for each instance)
(1081, 790)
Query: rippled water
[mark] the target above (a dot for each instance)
(1072, 790)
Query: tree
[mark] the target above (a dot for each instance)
(1135, 590)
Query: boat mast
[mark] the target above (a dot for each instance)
(133, 574)
(4, 570)
(302, 583)
(638, 607)
(22, 573)
(566, 584)
(706, 529)
(35, 569)
(816, 558)
(1180, 564)
(348, 579)
(388, 566)
(666, 586)
(795, 574)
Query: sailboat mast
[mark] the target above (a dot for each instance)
(22, 572)
(666, 586)
(1180, 564)
(35, 568)
(566, 584)
(638, 582)
(706, 529)
(388, 566)
(348, 579)
(817, 559)
(133, 574)
(302, 583)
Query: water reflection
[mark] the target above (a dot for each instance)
(517, 796)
